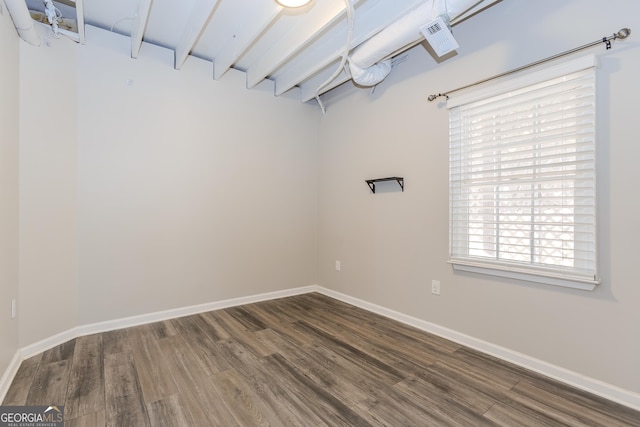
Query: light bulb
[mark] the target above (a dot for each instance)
(293, 3)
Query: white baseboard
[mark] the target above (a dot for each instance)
(47, 343)
(111, 325)
(143, 319)
(575, 379)
(9, 374)
(591, 385)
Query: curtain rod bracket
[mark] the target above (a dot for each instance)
(622, 34)
(434, 97)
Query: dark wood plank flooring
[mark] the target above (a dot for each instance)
(307, 360)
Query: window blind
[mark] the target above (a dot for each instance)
(523, 179)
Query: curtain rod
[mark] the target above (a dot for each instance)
(622, 34)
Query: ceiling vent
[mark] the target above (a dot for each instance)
(438, 34)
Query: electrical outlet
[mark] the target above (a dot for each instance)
(338, 266)
(435, 287)
(13, 308)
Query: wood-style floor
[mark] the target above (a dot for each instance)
(307, 360)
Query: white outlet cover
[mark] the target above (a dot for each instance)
(435, 287)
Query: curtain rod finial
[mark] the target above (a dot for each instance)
(623, 33)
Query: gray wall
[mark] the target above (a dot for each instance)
(9, 104)
(48, 196)
(145, 189)
(190, 190)
(393, 244)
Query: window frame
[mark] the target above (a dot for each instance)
(517, 270)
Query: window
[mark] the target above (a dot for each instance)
(522, 177)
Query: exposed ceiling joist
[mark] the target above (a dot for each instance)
(477, 8)
(309, 87)
(369, 21)
(290, 44)
(80, 17)
(139, 25)
(248, 28)
(299, 47)
(309, 90)
(198, 19)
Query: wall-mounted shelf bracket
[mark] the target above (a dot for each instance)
(372, 182)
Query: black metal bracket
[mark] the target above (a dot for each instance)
(372, 182)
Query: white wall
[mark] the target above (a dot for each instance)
(48, 297)
(393, 244)
(190, 190)
(9, 105)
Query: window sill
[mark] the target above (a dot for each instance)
(555, 279)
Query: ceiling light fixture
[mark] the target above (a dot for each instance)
(293, 3)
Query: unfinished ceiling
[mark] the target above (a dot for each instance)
(301, 47)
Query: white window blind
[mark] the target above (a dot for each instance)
(523, 179)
